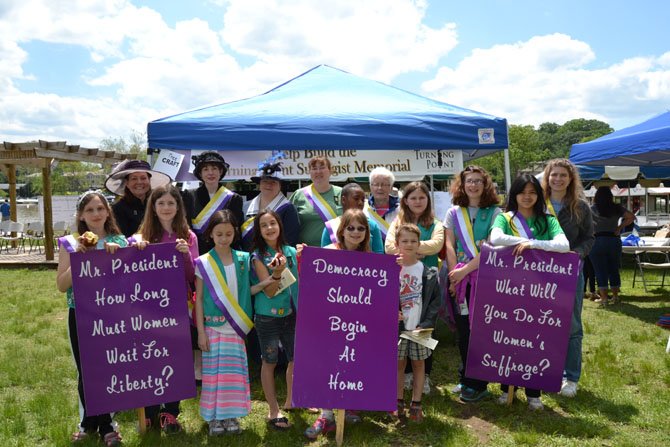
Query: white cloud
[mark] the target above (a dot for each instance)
(156, 69)
(376, 38)
(548, 78)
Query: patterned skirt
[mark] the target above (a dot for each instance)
(225, 378)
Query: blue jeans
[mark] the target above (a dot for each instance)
(606, 259)
(573, 359)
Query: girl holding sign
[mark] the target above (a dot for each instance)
(165, 222)
(468, 223)
(275, 286)
(96, 230)
(353, 234)
(563, 192)
(416, 208)
(223, 318)
(526, 224)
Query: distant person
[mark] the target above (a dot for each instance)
(317, 203)
(5, 210)
(211, 196)
(132, 181)
(609, 219)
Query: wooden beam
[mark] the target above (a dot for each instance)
(48, 211)
(11, 178)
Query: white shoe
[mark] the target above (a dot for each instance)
(502, 400)
(409, 378)
(535, 404)
(457, 389)
(426, 385)
(568, 389)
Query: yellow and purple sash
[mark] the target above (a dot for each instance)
(465, 232)
(518, 225)
(215, 281)
(379, 220)
(322, 208)
(218, 202)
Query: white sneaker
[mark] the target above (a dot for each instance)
(426, 385)
(457, 389)
(535, 404)
(409, 378)
(502, 400)
(568, 389)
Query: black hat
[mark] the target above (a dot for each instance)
(116, 182)
(209, 158)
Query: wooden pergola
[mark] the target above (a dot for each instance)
(40, 155)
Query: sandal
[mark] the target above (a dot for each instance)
(400, 411)
(112, 439)
(415, 412)
(81, 435)
(279, 423)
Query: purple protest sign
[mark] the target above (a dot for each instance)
(521, 317)
(346, 348)
(133, 327)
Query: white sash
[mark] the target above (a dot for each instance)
(379, 220)
(277, 204)
(518, 225)
(332, 226)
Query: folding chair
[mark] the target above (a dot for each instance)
(35, 235)
(661, 267)
(15, 235)
(61, 228)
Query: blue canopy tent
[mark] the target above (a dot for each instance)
(645, 144)
(593, 173)
(327, 108)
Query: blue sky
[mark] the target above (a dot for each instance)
(84, 70)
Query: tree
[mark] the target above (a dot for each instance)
(137, 144)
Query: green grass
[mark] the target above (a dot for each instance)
(623, 400)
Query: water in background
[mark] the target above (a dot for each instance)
(63, 209)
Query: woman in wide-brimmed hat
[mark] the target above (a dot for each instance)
(133, 181)
(210, 169)
(269, 179)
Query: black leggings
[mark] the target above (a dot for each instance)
(101, 423)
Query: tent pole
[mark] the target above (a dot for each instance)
(508, 178)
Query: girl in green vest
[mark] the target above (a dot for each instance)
(275, 290)
(223, 319)
(467, 225)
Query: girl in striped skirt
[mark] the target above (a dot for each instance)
(223, 319)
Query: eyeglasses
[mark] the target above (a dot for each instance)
(475, 181)
(351, 229)
(381, 185)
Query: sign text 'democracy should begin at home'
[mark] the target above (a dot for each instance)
(521, 317)
(346, 352)
(133, 327)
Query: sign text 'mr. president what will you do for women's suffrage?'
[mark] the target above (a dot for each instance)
(347, 330)
(133, 327)
(521, 317)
